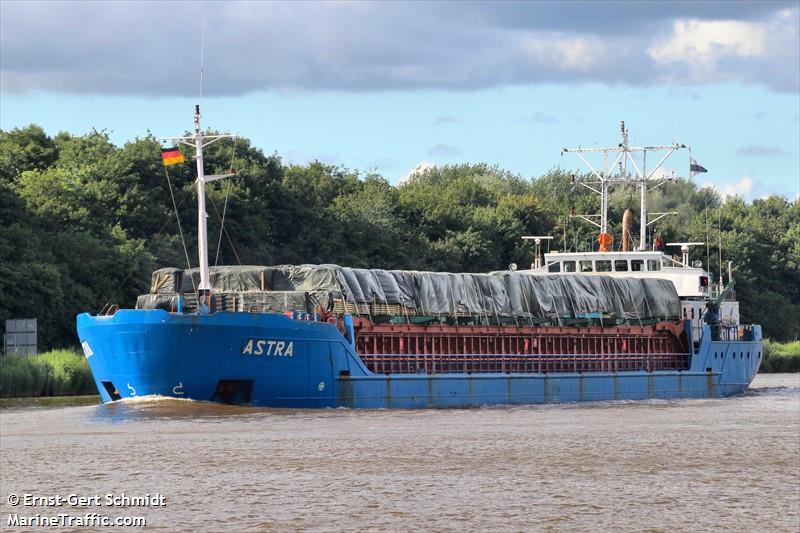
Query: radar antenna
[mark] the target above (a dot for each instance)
(685, 249)
(537, 253)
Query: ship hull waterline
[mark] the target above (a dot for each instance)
(270, 360)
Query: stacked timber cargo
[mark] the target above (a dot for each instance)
(412, 296)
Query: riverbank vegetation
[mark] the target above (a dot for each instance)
(55, 373)
(85, 222)
(781, 357)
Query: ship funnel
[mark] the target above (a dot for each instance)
(627, 218)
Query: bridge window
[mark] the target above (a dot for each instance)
(653, 264)
(569, 266)
(637, 265)
(621, 265)
(603, 266)
(586, 266)
(554, 267)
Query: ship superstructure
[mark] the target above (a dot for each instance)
(577, 327)
(648, 260)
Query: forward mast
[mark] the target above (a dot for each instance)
(198, 141)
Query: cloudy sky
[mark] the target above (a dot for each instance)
(389, 86)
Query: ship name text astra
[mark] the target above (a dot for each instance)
(268, 347)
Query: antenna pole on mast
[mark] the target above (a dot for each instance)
(202, 57)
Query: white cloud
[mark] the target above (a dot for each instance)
(422, 166)
(742, 188)
(702, 51)
(109, 47)
(693, 40)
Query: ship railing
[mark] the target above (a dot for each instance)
(523, 363)
(109, 309)
(715, 291)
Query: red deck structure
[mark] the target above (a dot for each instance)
(441, 349)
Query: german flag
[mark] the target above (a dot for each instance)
(171, 156)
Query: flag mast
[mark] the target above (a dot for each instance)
(198, 141)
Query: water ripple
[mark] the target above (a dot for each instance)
(695, 465)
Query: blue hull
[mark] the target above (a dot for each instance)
(272, 360)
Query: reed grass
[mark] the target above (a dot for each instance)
(780, 356)
(54, 373)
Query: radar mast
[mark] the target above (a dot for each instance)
(607, 177)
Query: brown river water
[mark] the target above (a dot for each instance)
(691, 465)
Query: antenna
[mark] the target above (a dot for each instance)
(202, 56)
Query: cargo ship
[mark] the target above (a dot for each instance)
(599, 325)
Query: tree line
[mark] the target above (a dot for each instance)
(84, 222)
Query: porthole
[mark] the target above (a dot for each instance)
(759, 355)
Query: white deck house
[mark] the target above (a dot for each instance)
(692, 284)
(689, 282)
